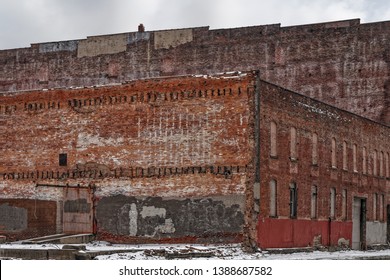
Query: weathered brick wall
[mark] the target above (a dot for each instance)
(290, 110)
(168, 157)
(342, 63)
(25, 218)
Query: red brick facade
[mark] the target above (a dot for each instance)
(191, 159)
(315, 175)
(167, 159)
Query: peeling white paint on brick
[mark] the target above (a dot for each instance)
(133, 216)
(85, 140)
(167, 227)
(150, 211)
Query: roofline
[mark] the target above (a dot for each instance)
(355, 20)
(326, 104)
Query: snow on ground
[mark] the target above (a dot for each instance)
(192, 251)
(235, 252)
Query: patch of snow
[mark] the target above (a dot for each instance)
(200, 252)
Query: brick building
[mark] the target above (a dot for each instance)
(324, 174)
(200, 158)
(192, 159)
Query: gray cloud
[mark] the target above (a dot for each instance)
(29, 21)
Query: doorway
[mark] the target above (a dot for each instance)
(78, 210)
(388, 223)
(359, 224)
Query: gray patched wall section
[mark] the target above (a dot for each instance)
(58, 46)
(376, 233)
(12, 218)
(156, 217)
(77, 206)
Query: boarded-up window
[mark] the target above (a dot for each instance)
(354, 159)
(374, 206)
(274, 151)
(381, 207)
(364, 163)
(315, 149)
(293, 143)
(332, 203)
(344, 204)
(334, 158)
(345, 156)
(273, 198)
(314, 199)
(375, 163)
(381, 159)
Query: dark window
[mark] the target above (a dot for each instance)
(293, 200)
(63, 159)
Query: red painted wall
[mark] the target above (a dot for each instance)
(290, 233)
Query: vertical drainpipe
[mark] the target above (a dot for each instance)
(92, 188)
(329, 231)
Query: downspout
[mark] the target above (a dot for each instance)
(94, 220)
(329, 231)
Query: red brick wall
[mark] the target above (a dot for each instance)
(308, 116)
(25, 218)
(187, 140)
(342, 63)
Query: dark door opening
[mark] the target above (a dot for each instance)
(388, 223)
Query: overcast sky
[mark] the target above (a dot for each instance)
(32, 21)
